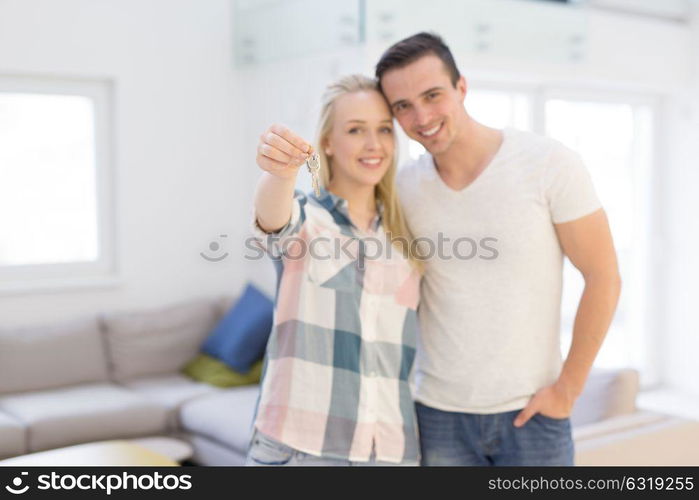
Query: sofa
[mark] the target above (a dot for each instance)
(610, 430)
(118, 375)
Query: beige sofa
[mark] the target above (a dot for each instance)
(609, 429)
(644, 438)
(118, 376)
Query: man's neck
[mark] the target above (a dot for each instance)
(471, 151)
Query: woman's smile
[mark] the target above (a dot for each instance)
(371, 162)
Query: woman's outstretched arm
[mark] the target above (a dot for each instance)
(280, 153)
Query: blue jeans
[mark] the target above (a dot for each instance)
(266, 451)
(451, 438)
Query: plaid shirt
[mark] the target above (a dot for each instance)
(340, 354)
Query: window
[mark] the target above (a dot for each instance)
(55, 217)
(499, 108)
(614, 135)
(494, 108)
(615, 140)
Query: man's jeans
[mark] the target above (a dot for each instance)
(450, 438)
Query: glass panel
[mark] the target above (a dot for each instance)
(274, 30)
(614, 141)
(48, 205)
(494, 108)
(499, 109)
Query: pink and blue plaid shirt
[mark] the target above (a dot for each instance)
(340, 354)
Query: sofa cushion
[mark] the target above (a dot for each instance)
(615, 426)
(82, 413)
(239, 339)
(607, 393)
(213, 453)
(157, 341)
(66, 353)
(171, 391)
(210, 370)
(670, 441)
(12, 437)
(225, 303)
(225, 417)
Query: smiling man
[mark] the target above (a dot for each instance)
(491, 386)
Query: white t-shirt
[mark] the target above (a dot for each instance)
(490, 310)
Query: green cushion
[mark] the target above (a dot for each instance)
(212, 371)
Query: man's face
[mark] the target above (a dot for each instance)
(425, 103)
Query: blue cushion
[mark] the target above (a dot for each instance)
(240, 338)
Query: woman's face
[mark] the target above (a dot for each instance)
(360, 143)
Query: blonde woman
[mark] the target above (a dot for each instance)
(335, 387)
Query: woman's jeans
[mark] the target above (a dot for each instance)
(451, 438)
(266, 451)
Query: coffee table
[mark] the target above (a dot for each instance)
(101, 453)
(176, 449)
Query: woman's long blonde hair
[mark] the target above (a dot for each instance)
(385, 191)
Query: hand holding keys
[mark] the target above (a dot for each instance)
(281, 152)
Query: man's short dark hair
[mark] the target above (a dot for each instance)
(413, 48)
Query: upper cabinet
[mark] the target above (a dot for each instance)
(521, 29)
(268, 30)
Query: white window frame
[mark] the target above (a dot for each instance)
(68, 276)
(648, 200)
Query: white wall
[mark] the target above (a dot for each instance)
(679, 255)
(176, 130)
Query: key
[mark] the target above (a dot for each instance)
(313, 164)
